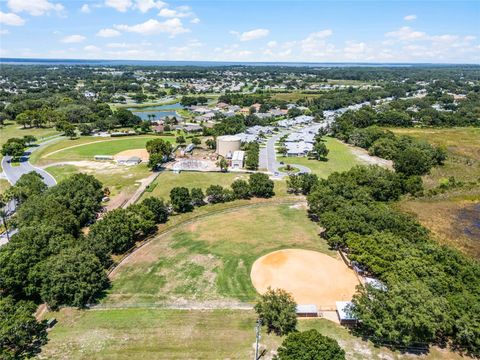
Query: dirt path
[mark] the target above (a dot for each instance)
(365, 157)
(143, 185)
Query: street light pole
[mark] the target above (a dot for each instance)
(257, 336)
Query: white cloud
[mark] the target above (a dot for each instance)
(171, 26)
(410, 17)
(85, 9)
(73, 39)
(195, 20)
(119, 5)
(315, 44)
(170, 13)
(91, 48)
(406, 33)
(34, 7)
(4, 32)
(444, 38)
(251, 35)
(272, 44)
(108, 33)
(11, 19)
(146, 5)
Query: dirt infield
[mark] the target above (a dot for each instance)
(311, 277)
(141, 153)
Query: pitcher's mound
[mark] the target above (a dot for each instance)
(141, 153)
(311, 277)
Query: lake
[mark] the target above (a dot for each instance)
(160, 111)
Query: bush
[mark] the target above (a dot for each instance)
(241, 189)
(181, 199)
(309, 345)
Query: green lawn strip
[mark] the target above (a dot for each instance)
(340, 158)
(186, 334)
(4, 185)
(225, 256)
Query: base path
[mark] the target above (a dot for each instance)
(311, 277)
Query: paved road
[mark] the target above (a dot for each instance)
(13, 173)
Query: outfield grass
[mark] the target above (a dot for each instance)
(4, 185)
(85, 148)
(186, 334)
(210, 259)
(340, 158)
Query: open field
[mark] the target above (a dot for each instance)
(4, 185)
(85, 148)
(311, 277)
(187, 334)
(210, 260)
(292, 96)
(117, 178)
(453, 216)
(340, 158)
(463, 148)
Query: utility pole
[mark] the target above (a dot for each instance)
(257, 335)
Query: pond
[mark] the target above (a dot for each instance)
(160, 111)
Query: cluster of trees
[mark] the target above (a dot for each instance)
(159, 152)
(276, 310)
(320, 150)
(184, 200)
(252, 153)
(410, 156)
(15, 147)
(431, 292)
(192, 100)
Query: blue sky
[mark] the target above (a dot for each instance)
(235, 30)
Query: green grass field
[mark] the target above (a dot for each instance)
(340, 158)
(186, 334)
(85, 148)
(4, 185)
(210, 259)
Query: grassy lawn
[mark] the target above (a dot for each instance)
(340, 158)
(85, 148)
(209, 260)
(117, 179)
(293, 96)
(4, 185)
(185, 334)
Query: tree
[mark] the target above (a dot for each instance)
(241, 189)
(181, 199)
(197, 197)
(211, 144)
(222, 164)
(159, 151)
(320, 150)
(309, 345)
(180, 140)
(73, 277)
(261, 186)
(14, 147)
(85, 129)
(69, 131)
(412, 161)
(196, 141)
(215, 194)
(28, 185)
(158, 208)
(20, 334)
(29, 139)
(276, 310)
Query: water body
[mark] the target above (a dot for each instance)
(160, 111)
(86, 62)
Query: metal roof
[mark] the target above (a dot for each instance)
(306, 308)
(343, 310)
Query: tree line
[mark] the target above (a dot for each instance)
(431, 293)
